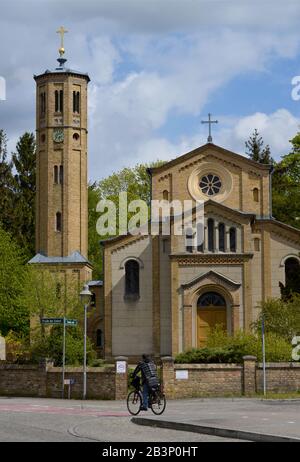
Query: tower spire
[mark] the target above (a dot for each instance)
(62, 31)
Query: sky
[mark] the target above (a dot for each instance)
(157, 68)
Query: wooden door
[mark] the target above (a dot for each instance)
(208, 318)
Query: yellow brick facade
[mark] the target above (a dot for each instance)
(69, 196)
(164, 319)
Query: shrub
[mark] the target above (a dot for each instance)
(282, 318)
(50, 346)
(223, 348)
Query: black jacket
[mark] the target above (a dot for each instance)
(148, 370)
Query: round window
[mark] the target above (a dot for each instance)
(210, 184)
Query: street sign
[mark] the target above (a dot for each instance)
(65, 322)
(68, 322)
(52, 320)
(71, 322)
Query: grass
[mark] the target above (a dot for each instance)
(291, 395)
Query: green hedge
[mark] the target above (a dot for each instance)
(222, 348)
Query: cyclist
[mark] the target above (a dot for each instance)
(149, 378)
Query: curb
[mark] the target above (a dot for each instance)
(215, 431)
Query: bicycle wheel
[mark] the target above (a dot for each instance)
(134, 402)
(158, 403)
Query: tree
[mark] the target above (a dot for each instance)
(281, 317)
(14, 313)
(50, 294)
(286, 186)
(6, 185)
(24, 160)
(135, 182)
(255, 150)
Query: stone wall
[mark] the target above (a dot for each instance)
(22, 380)
(228, 379)
(46, 381)
(179, 380)
(280, 377)
(201, 379)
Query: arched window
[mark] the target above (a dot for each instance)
(221, 237)
(211, 234)
(61, 174)
(58, 225)
(56, 101)
(232, 238)
(55, 174)
(200, 237)
(59, 100)
(256, 195)
(76, 101)
(99, 338)
(257, 244)
(292, 275)
(211, 299)
(93, 299)
(166, 195)
(189, 236)
(43, 103)
(132, 279)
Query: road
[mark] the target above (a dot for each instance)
(48, 420)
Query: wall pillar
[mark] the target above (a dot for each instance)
(217, 238)
(168, 376)
(227, 240)
(121, 377)
(249, 375)
(235, 318)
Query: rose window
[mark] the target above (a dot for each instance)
(210, 184)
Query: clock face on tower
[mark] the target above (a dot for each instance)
(58, 135)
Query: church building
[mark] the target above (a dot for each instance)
(161, 295)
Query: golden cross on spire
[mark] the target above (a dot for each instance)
(62, 31)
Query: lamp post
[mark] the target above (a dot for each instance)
(85, 297)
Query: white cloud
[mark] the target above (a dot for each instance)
(276, 130)
(148, 62)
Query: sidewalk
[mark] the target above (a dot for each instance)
(241, 418)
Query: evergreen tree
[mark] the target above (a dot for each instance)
(6, 185)
(25, 164)
(255, 150)
(14, 314)
(286, 186)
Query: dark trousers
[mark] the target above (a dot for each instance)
(146, 391)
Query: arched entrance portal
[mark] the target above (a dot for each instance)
(211, 310)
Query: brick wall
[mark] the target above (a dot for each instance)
(229, 379)
(280, 377)
(100, 382)
(41, 381)
(22, 380)
(203, 379)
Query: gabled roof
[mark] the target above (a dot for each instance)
(280, 224)
(75, 257)
(228, 209)
(208, 274)
(202, 149)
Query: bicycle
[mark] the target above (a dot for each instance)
(157, 400)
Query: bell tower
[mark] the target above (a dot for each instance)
(61, 137)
